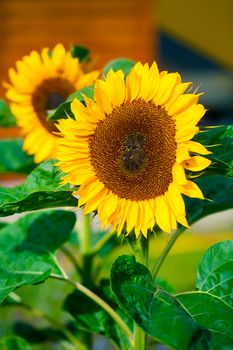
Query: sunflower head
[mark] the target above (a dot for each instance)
(40, 83)
(128, 149)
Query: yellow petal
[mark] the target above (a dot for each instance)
(178, 91)
(190, 117)
(192, 190)
(90, 192)
(132, 216)
(197, 147)
(179, 174)
(196, 163)
(182, 103)
(166, 86)
(184, 135)
(162, 214)
(133, 82)
(109, 206)
(175, 199)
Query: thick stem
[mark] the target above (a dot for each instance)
(85, 239)
(140, 247)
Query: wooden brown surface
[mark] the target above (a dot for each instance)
(110, 28)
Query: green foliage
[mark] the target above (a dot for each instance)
(153, 309)
(34, 335)
(7, 119)
(220, 142)
(14, 343)
(13, 159)
(41, 189)
(196, 320)
(121, 63)
(90, 317)
(27, 253)
(208, 311)
(80, 52)
(215, 272)
(211, 305)
(64, 110)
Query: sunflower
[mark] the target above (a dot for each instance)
(41, 82)
(128, 149)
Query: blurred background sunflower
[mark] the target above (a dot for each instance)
(40, 83)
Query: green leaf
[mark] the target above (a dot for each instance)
(36, 335)
(14, 343)
(80, 52)
(41, 189)
(64, 110)
(90, 317)
(208, 311)
(124, 64)
(27, 248)
(215, 271)
(155, 310)
(87, 91)
(13, 158)
(7, 119)
(219, 193)
(221, 141)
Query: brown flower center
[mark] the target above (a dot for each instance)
(133, 150)
(49, 95)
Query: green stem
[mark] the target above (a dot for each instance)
(101, 243)
(140, 247)
(85, 239)
(98, 301)
(166, 250)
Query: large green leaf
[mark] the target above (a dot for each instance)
(13, 158)
(14, 343)
(41, 189)
(215, 273)
(221, 141)
(90, 317)
(155, 310)
(7, 119)
(218, 191)
(27, 248)
(124, 64)
(64, 110)
(209, 311)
